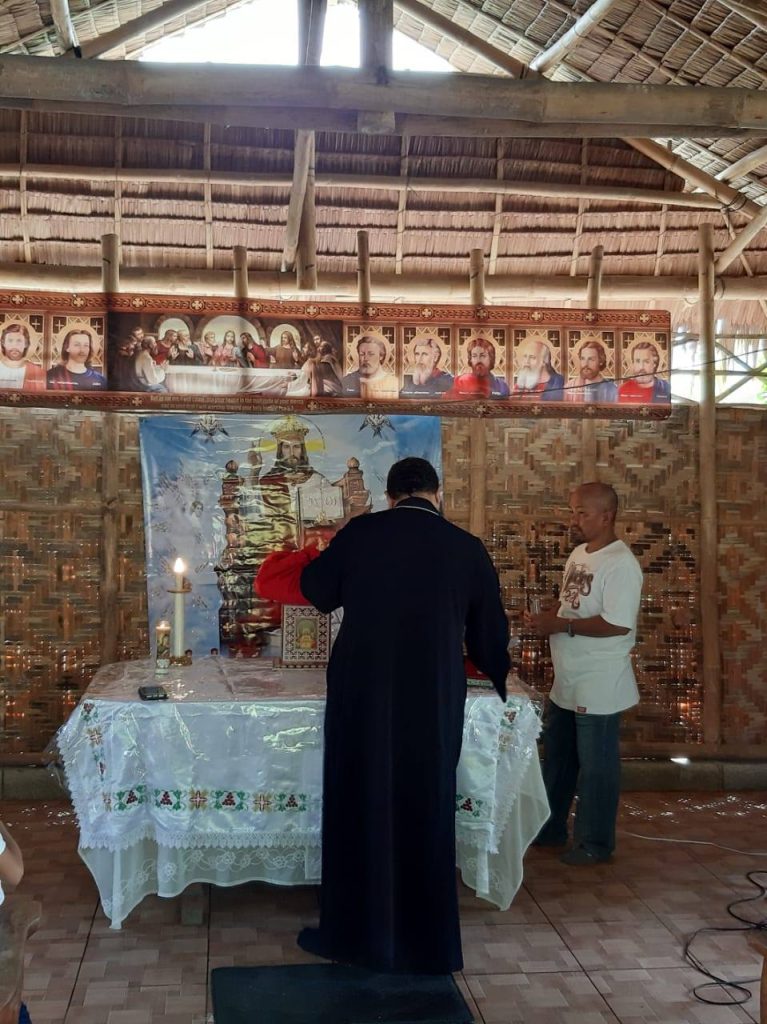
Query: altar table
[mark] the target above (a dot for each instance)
(222, 782)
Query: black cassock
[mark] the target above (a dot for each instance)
(412, 586)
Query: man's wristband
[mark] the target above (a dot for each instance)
(570, 628)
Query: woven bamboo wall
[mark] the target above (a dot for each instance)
(50, 551)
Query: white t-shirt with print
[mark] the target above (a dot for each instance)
(594, 675)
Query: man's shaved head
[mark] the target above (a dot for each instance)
(600, 496)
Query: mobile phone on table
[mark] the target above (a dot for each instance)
(152, 693)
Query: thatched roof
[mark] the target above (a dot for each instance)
(194, 224)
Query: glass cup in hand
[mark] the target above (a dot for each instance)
(533, 604)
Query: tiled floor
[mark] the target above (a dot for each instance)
(578, 946)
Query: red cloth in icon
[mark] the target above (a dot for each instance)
(279, 578)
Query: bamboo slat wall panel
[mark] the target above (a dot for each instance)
(531, 468)
(456, 466)
(742, 491)
(50, 564)
(653, 468)
(50, 554)
(132, 628)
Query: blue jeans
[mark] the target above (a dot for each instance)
(582, 754)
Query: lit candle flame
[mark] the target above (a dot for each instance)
(179, 565)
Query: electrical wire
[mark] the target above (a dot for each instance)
(736, 993)
(695, 842)
(757, 372)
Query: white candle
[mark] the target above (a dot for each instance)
(178, 609)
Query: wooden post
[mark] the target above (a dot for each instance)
(303, 158)
(478, 428)
(477, 277)
(589, 427)
(376, 29)
(110, 264)
(306, 252)
(311, 27)
(65, 30)
(376, 34)
(594, 291)
(709, 607)
(110, 478)
(240, 258)
(478, 478)
(363, 268)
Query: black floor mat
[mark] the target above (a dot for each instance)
(333, 994)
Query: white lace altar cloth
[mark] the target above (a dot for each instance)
(222, 782)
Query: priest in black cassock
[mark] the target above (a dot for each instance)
(413, 587)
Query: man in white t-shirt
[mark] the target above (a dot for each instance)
(11, 862)
(591, 635)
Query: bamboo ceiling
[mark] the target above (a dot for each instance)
(120, 173)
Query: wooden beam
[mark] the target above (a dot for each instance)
(302, 159)
(375, 182)
(402, 203)
(23, 201)
(306, 253)
(726, 194)
(521, 288)
(363, 268)
(682, 167)
(162, 15)
(300, 249)
(745, 165)
(583, 25)
(372, 122)
(744, 262)
(311, 30)
(662, 222)
(495, 241)
(590, 106)
(376, 29)
(709, 541)
(446, 27)
(65, 30)
(207, 198)
(741, 241)
(578, 233)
